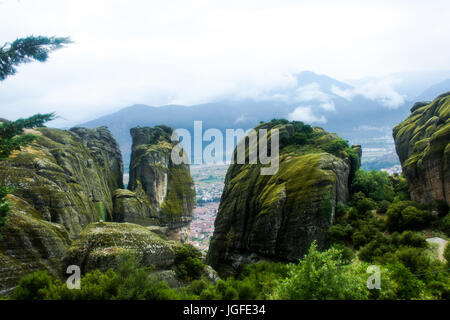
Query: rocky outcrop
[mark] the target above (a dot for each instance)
(422, 143)
(278, 216)
(134, 207)
(168, 186)
(29, 243)
(68, 176)
(100, 244)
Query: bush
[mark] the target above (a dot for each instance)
(408, 285)
(130, 282)
(33, 286)
(447, 253)
(365, 205)
(337, 233)
(383, 206)
(336, 146)
(412, 239)
(373, 184)
(322, 275)
(187, 264)
(444, 225)
(407, 215)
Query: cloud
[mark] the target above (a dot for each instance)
(312, 92)
(381, 91)
(241, 118)
(372, 128)
(305, 114)
(187, 52)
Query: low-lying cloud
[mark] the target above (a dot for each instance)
(381, 91)
(305, 114)
(312, 92)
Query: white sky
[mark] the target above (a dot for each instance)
(187, 52)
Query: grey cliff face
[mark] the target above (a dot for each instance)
(168, 187)
(68, 176)
(422, 142)
(278, 217)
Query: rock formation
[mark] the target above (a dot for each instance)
(422, 143)
(168, 187)
(101, 242)
(29, 243)
(278, 216)
(68, 176)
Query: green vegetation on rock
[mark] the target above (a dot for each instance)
(423, 146)
(280, 215)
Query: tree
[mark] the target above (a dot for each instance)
(323, 275)
(25, 50)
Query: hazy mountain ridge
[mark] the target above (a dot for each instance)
(314, 97)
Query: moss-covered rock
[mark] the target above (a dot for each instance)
(278, 216)
(68, 176)
(422, 142)
(100, 243)
(29, 243)
(168, 186)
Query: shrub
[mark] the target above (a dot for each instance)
(336, 146)
(408, 285)
(444, 224)
(33, 286)
(373, 184)
(365, 205)
(447, 253)
(187, 264)
(412, 239)
(322, 275)
(407, 215)
(383, 206)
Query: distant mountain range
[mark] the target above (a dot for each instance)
(361, 116)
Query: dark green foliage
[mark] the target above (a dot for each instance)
(374, 184)
(335, 147)
(323, 275)
(444, 224)
(337, 234)
(364, 205)
(255, 281)
(441, 207)
(447, 253)
(131, 281)
(347, 254)
(409, 238)
(33, 286)
(383, 206)
(25, 50)
(407, 215)
(11, 132)
(409, 286)
(303, 134)
(188, 265)
(401, 187)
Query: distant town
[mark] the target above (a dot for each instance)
(209, 182)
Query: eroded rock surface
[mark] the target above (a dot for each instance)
(168, 187)
(279, 216)
(68, 176)
(422, 142)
